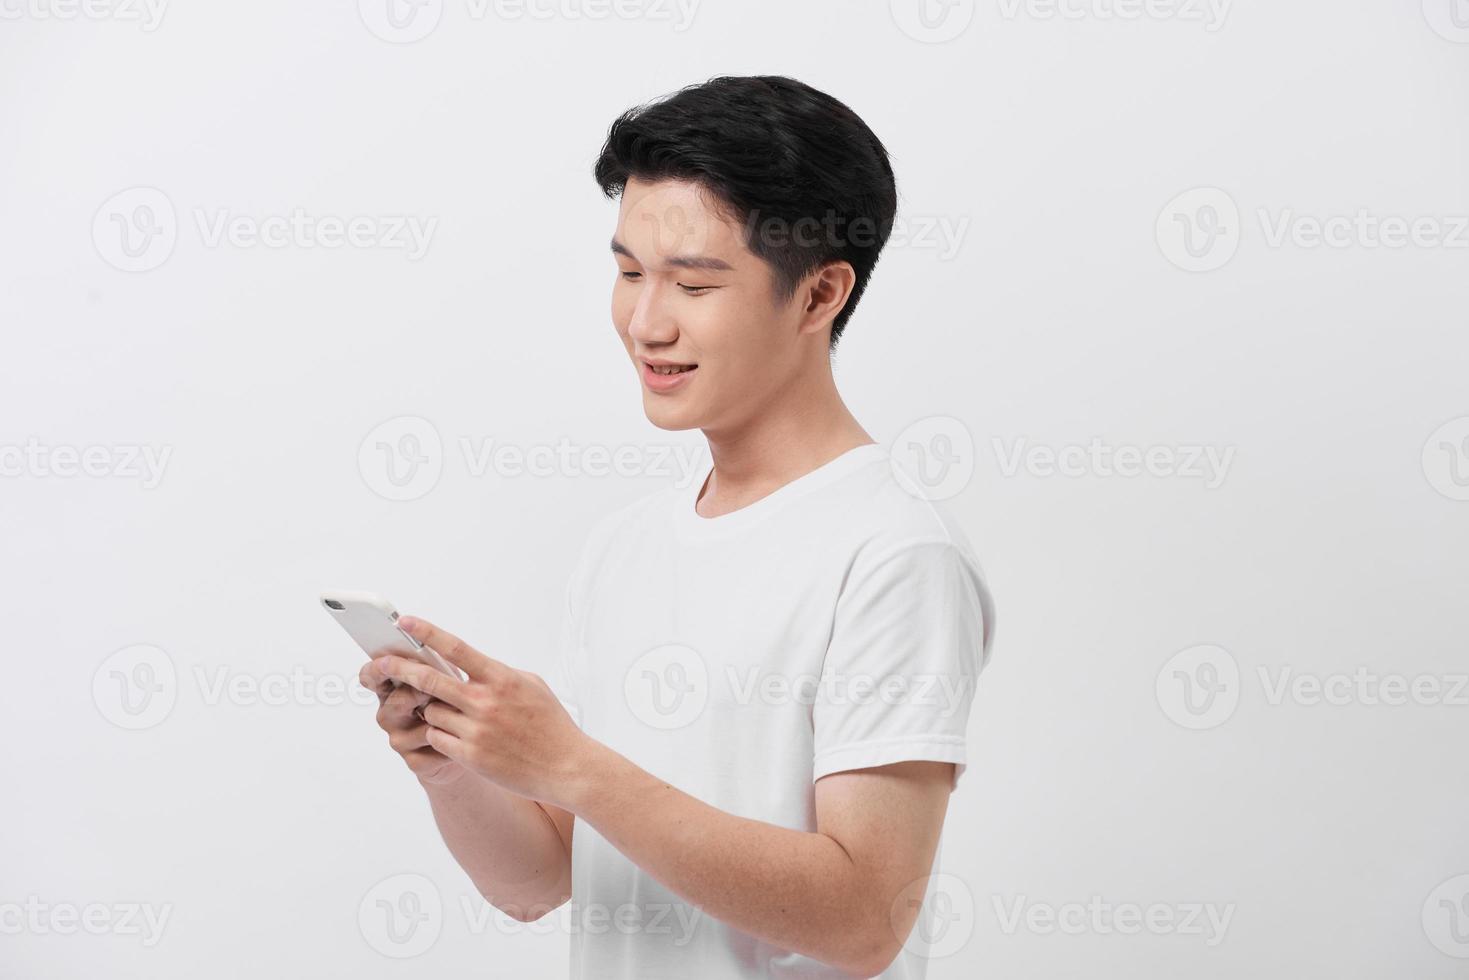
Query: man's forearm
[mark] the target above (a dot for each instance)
(797, 890)
(506, 843)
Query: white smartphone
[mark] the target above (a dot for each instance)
(373, 622)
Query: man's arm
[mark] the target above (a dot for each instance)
(841, 894)
(846, 894)
(516, 851)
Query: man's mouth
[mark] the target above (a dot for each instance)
(665, 376)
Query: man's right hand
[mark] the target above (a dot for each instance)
(399, 713)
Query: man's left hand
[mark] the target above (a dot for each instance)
(502, 723)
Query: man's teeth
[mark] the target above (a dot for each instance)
(672, 368)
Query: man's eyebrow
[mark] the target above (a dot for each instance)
(706, 262)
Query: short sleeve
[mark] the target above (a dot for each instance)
(911, 634)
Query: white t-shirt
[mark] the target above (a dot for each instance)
(835, 624)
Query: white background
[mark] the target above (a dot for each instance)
(1051, 145)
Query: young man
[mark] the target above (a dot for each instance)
(772, 669)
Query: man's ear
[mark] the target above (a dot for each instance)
(824, 294)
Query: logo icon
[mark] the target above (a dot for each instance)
(667, 687)
(401, 21)
(1199, 688)
(1199, 230)
(1446, 917)
(135, 230)
(401, 916)
(932, 21)
(136, 687)
(670, 228)
(402, 458)
(1446, 459)
(934, 457)
(945, 920)
(1448, 18)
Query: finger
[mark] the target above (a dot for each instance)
(406, 740)
(420, 701)
(369, 678)
(478, 666)
(396, 711)
(403, 692)
(401, 707)
(385, 687)
(447, 743)
(424, 678)
(449, 719)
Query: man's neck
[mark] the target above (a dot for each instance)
(788, 439)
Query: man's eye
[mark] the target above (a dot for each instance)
(631, 276)
(694, 290)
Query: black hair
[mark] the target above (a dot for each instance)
(783, 160)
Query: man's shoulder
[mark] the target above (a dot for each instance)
(901, 535)
(887, 510)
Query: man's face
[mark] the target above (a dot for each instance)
(697, 310)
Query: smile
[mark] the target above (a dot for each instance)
(667, 377)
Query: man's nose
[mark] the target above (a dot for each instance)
(652, 322)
